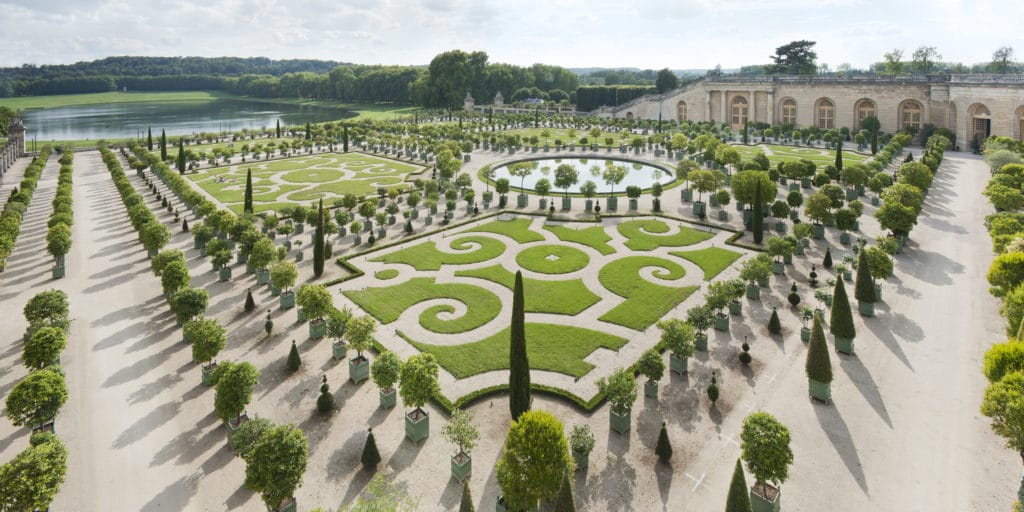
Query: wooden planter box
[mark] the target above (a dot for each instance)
(287, 300)
(236, 423)
(582, 460)
(722, 323)
(208, 374)
(388, 398)
(462, 466)
(338, 350)
(764, 498)
(700, 342)
(686, 195)
(753, 292)
(878, 293)
(317, 328)
(678, 364)
(699, 209)
(723, 215)
(763, 282)
(521, 200)
(262, 276)
(417, 425)
(619, 422)
(805, 334)
(735, 307)
(613, 204)
(818, 231)
(844, 345)
(844, 238)
(224, 274)
(288, 505)
(566, 203)
(866, 308)
(58, 271)
(651, 389)
(820, 390)
(358, 369)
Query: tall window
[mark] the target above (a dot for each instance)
(788, 111)
(865, 108)
(826, 115)
(681, 111)
(910, 115)
(739, 111)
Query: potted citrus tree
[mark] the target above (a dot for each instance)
(765, 449)
(261, 256)
(718, 297)
(359, 333)
(461, 432)
(188, 303)
(779, 248)
(336, 324)
(282, 277)
(807, 314)
(818, 365)
(418, 384)
(275, 465)
(316, 303)
(386, 370)
(36, 400)
(233, 384)
(58, 243)
(208, 338)
(620, 390)
(880, 267)
(652, 367)
(754, 271)
(43, 347)
(581, 443)
(677, 337)
(701, 318)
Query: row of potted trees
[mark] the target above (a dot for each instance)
(58, 235)
(17, 204)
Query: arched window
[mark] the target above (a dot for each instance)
(981, 122)
(739, 111)
(826, 114)
(788, 111)
(910, 115)
(681, 111)
(864, 109)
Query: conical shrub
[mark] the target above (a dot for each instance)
(827, 262)
(840, 324)
(371, 457)
(864, 289)
(250, 304)
(664, 446)
(774, 326)
(738, 500)
(294, 361)
(819, 365)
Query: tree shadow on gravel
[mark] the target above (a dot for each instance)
(614, 485)
(831, 421)
(175, 496)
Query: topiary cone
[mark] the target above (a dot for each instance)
(250, 304)
(827, 262)
(864, 289)
(738, 500)
(664, 447)
(184, 225)
(370, 457)
(840, 324)
(774, 326)
(325, 402)
(294, 361)
(818, 365)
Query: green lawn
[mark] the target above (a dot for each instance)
(779, 153)
(388, 273)
(64, 100)
(712, 260)
(552, 259)
(387, 303)
(594, 237)
(568, 297)
(556, 348)
(645, 235)
(426, 256)
(645, 302)
(517, 229)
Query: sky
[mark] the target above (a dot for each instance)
(646, 34)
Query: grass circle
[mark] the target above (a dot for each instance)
(552, 259)
(388, 273)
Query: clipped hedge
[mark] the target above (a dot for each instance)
(17, 203)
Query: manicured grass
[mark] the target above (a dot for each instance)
(640, 237)
(384, 275)
(562, 260)
(426, 256)
(819, 155)
(645, 302)
(568, 297)
(517, 229)
(594, 237)
(555, 348)
(64, 100)
(712, 260)
(387, 303)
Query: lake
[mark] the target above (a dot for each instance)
(120, 120)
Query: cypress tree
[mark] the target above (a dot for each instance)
(308, 134)
(325, 402)
(149, 139)
(864, 289)
(294, 361)
(744, 133)
(738, 500)
(664, 448)
(874, 142)
(318, 243)
(827, 262)
(184, 225)
(839, 154)
(181, 155)
(818, 366)
(840, 324)
(163, 146)
(774, 326)
(277, 132)
(565, 501)
(466, 505)
(247, 198)
(371, 457)
(519, 364)
(757, 217)
(250, 304)
(345, 138)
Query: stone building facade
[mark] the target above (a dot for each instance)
(971, 106)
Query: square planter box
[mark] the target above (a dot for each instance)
(462, 467)
(317, 328)
(878, 293)
(288, 505)
(566, 203)
(651, 389)
(208, 374)
(301, 315)
(818, 231)
(763, 282)
(633, 204)
(388, 399)
(521, 200)
(753, 292)
(699, 209)
(700, 342)
(844, 238)
(687, 195)
(287, 300)
(722, 323)
(844, 345)
(298, 256)
(723, 215)
(242, 257)
(764, 498)
(613, 204)
(275, 291)
(866, 308)
(582, 460)
(735, 307)
(224, 274)
(236, 423)
(358, 369)
(339, 350)
(875, 201)
(619, 422)
(805, 334)
(820, 390)
(780, 227)
(58, 271)
(678, 364)
(543, 204)
(417, 425)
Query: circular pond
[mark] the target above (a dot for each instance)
(587, 169)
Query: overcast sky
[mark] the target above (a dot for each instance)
(678, 34)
